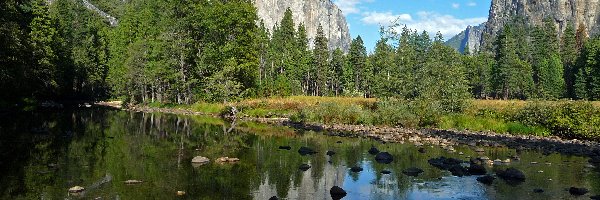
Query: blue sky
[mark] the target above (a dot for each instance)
(450, 17)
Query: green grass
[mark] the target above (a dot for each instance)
(476, 123)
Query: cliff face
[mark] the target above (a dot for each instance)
(311, 13)
(469, 38)
(562, 12)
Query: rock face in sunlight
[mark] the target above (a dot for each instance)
(311, 13)
(562, 12)
(468, 39)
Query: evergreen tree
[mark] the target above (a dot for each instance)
(511, 76)
(569, 54)
(42, 40)
(358, 63)
(321, 62)
(338, 64)
(587, 80)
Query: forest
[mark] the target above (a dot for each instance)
(182, 52)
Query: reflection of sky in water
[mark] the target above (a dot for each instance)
(449, 187)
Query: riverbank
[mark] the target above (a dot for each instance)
(446, 138)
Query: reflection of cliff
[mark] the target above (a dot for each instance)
(310, 187)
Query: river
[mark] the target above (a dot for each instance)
(44, 153)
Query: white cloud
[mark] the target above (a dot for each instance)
(350, 6)
(431, 22)
(471, 4)
(384, 18)
(455, 5)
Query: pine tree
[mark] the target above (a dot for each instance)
(511, 76)
(358, 63)
(42, 40)
(383, 68)
(321, 62)
(569, 54)
(338, 64)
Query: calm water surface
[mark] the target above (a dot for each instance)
(43, 154)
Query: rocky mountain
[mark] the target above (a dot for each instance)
(311, 13)
(562, 12)
(471, 38)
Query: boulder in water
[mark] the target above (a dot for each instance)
(274, 198)
(285, 147)
(597, 197)
(337, 193)
(180, 193)
(304, 167)
(386, 172)
(444, 163)
(578, 191)
(458, 170)
(384, 157)
(131, 182)
(511, 175)
(373, 151)
(330, 153)
(476, 169)
(306, 151)
(356, 169)
(76, 189)
(538, 190)
(200, 160)
(413, 171)
(227, 160)
(487, 179)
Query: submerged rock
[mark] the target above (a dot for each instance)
(373, 151)
(274, 198)
(487, 179)
(578, 191)
(356, 169)
(227, 160)
(597, 197)
(306, 151)
(200, 160)
(330, 153)
(476, 169)
(511, 175)
(131, 182)
(384, 157)
(386, 172)
(413, 171)
(285, 147)
(337, 192)
(304, 167)
(444, 163)
(458, 170)
(538, 190)
(76, 189)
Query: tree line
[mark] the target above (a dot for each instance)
(178, 51)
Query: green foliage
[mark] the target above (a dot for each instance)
(566, 119)
(335, 113)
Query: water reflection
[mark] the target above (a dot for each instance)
(42, 154)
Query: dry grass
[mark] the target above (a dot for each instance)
(296, 103)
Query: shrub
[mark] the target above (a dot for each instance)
(333, 113)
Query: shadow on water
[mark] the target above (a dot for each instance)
(43, 154)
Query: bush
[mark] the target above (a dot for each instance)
(569, 119)
(395, 113)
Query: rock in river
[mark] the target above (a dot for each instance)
(76, 189)
(337, 192)
(476, 169)
(444, 163)
(538, 190)
(304, 167)
(511, 175)
(274, 198)
(285, 147)
(330, 153)
(200, 160)
(306, 151)
(356, 169)
(384, 157)
(227, 160)
(597, 197)
(487, 179)
(386, 172)
(131, 182)
(413, 171)
(373, 151)
(578, 191)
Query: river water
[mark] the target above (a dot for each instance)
(44, 153)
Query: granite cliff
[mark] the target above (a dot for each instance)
(562, 12)
(311, 13)
(469, 38)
